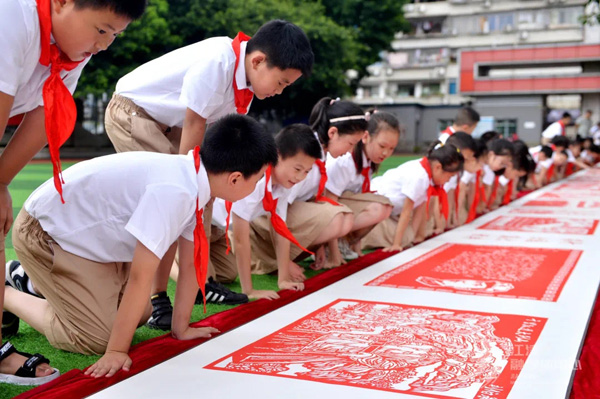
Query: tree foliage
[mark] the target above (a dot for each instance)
(344, 34)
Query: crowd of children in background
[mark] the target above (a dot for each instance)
(95, 258)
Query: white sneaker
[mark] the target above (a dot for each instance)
(345, 250)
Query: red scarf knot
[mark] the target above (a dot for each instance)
(320, 197)
(435, 190)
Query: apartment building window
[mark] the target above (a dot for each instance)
(431, 89)
(506, 127)
(400, 90)
(444, 123)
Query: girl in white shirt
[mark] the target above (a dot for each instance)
(515, 175)
(500, 154)
(350, 176)
(312, 217)
(410, 188)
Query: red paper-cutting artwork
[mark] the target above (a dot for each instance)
(510, 272)
(542, 225)
(556, 203)
(588, 204)
(568, 195)
(550, 211)
(416, 350)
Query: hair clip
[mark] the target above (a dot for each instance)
(334, 100)
(458, 150)
(368, 116)
(438, 146)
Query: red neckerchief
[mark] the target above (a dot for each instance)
(478, 196)
(322, 182)
(228, 205)
(270, 205)
(200, 240)
(562, 127)
(550, 173)
(494, 192)
(508, 194)
(435, 190)
(456, 195)
(569, 169)
(242, 98)
(449, 131)
(60, 112)
(366, 186)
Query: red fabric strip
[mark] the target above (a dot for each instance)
(242, 98)
(201, 248)
(320, 197)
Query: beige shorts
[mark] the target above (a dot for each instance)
(130, 128)
(224, 265)
(83, 296)
(305, 219)
(384, 233)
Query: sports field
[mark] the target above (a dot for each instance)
(29, 340)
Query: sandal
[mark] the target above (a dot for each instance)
(25, 375)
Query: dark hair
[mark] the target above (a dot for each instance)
(466, 116)
(285, 46)
(501, 147)
(447, 155)
(377, 122)
(522, 159)
(324, 111)
(566, 115)
(547, 151)
(237, 143)
(482, 149)
(297, 138)
(560, 141)
(463, 141)
(489, 136)
(595, 149)
(132, 9)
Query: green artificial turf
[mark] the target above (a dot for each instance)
(29, 340)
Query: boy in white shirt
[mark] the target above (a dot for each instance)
(166, 104)
(556, 129)
(260, 236)
(94, 258)
(466, 121)
(45, 45)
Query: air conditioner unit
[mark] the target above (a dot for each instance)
(487, 3)
(422, 8)
(508, 28)
(389, 71)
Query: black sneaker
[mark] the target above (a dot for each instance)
(219, 294)
(162, 312)
(17, 278)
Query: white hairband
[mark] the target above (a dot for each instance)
(334, 100)
(349, 118)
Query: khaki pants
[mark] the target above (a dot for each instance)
(130, 128)
(384, 233)
(83, 296)
(223, 265)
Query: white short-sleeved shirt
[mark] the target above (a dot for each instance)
(543, 164)
(198, 77)
(409, 180)
(22, 76)
(488, 175)
(571, 157)
(503, 180)
(555, 129)
(111, 202)
(535, 152)
(251, 207)
(308, 188)
(451, 184)
(343, 176)
(468, 177)
(445, 135)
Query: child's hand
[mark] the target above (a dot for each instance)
(291, 285)
(258, 294)
(297, 272)
(393, 248)
(109, 364)
(193, 333)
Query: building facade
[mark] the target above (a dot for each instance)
(520, 63)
